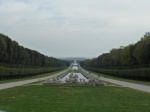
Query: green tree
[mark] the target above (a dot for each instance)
(3, 47)
(127, 56)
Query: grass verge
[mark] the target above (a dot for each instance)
(73, 99)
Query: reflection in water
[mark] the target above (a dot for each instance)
(75, 64)
(80, 76)
(74, 68)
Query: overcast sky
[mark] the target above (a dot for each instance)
(74, 28)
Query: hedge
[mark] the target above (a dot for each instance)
(11, 73)
(142, 74)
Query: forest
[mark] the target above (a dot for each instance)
(132, 61)
(15, 60)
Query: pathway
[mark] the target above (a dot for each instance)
(20, 83)
(122, 83)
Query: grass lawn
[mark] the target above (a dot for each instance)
(34, 98)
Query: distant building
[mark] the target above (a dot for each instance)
(74, 59)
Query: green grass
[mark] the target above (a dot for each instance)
(73, 99)
(122, 79)
(28, 78)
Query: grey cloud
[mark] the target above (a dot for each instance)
(74, 28)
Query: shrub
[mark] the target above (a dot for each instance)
(137, 74)
(9, 73)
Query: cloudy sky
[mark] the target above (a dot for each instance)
(74, 28)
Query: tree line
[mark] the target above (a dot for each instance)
(12, 53)
(130, 57)
(133, 55)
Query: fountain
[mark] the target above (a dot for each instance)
(74, 79)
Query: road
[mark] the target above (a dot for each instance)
(122, 83)
(20, 83)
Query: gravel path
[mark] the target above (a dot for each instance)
(20, 83)
(122, 83)
(128, 84)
